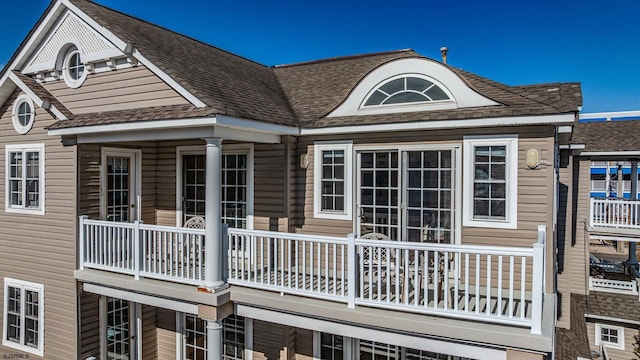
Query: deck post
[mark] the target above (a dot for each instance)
(83, 238)
(352, 277)
(537, 288)
(632, 260)
(137, 249)
(213, 215)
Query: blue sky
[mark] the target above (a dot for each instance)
(515, 42)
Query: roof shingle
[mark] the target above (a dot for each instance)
(605, 136)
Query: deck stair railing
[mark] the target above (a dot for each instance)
(483, 283)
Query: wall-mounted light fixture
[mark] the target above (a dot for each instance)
(304, 161)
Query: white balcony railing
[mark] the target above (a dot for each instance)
(615, 286)
(615, 213)
(483, 283)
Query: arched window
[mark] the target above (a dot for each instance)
(406, 90)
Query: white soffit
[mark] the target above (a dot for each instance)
(70, 29)
(463, 95)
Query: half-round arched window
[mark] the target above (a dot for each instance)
(406, 90)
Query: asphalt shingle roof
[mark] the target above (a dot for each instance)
(297, 94)
(608, 135)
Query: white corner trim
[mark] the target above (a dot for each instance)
(452, 83)
(444, 124)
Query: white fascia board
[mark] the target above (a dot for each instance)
(163, 303)
(217, 120)
(609, 115)
(238, 123)
(572, 147)
(610, 153)
(445, 124)
(136, 54)
(612, 319)
(201, 132)
(135, 126)
(565, 129)
(429, 344)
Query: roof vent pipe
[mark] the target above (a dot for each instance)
(443, 51)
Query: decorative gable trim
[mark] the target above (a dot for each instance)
(130, 51)
(462, 95)
(43, 103)
(70, 30)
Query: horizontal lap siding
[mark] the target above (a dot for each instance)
(91, 167)
(149, 333)
(268, 340)
(304, 344)
(42, 248)
(269, 187)
(89, 325)
(131, 88)
(535, 186)
(166, 334)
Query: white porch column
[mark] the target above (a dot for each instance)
(633, 260)
(214, 339)
(213, 217)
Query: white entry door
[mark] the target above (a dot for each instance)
(120, 184)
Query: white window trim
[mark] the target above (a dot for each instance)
(619, 345)
(23, 98)
(21, 209)
(66, 75)
(318, 148)
(511, 172)
(135, 179)
(31, 286)
(226, 149)
(426, 105)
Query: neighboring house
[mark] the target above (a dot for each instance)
(383, 206)
(608, 176)
(595, 268)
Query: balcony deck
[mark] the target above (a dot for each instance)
(501, 285)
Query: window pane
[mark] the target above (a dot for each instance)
(393, 86)
(405, 97)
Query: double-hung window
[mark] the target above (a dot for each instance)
(25, 178)
(610, 336)
(332, 180)
(23, 316)
(491, 181)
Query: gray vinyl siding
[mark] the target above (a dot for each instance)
(130, 88)
(535, 186)
(91, 167)
(149, 333)
(269, 190)
(269, 341)
(89, 332)
(304, 344)
(42, 248)
(166, 334)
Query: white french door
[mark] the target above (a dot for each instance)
(120, 184)
(408, 194)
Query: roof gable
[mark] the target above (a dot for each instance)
(462, 96)
(70, 30)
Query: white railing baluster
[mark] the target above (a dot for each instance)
(388, 277)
